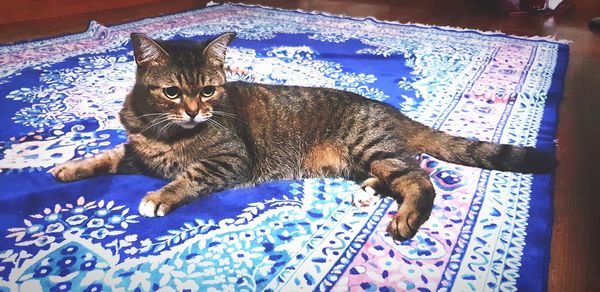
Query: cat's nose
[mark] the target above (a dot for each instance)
(192, 113)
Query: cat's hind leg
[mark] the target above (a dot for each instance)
(409, 185)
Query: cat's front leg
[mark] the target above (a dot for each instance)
(201, 179)
(108, 162)
(162, 202)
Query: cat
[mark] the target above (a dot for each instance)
(186, 123)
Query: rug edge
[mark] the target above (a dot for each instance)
(555, 96)
(91, 26)
(551, 39)
(210, 4)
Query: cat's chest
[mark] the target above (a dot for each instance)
(162, 159)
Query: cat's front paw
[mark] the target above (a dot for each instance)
(72, 171)
(157, 204)
(367, 194)
(364, 197)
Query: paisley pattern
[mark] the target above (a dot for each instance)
(63, 99)
(60, 99)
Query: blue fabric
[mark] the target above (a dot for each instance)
(539, 233)
(59, 101)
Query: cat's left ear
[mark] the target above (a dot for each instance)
(215, 50)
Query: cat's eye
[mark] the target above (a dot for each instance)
(208, 91)
(172, 92)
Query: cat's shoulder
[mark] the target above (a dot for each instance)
(248, 86)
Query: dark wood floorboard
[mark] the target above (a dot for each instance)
(575, 259)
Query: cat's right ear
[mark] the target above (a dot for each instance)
(146, 51)
(215, 50)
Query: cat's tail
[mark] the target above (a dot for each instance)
(482, 154)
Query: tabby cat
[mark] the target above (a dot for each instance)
(186, 123)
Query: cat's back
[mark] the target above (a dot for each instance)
(286, 123)
(299, 100)
(286, 115)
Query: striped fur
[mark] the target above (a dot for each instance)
(245, 133)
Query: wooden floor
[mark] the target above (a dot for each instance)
(575, 262)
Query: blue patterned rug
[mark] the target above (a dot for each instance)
(489, 230)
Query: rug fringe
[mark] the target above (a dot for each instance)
(552, 39)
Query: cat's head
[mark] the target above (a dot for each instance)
(178, 82)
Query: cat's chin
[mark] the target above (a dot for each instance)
(188, 125)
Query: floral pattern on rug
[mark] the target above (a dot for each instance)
(60, 98)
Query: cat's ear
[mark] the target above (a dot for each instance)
(216, 49)
(147, 51)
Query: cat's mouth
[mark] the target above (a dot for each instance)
(191, 123)
(188, 124)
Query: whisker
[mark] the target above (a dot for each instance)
(165, 127)
(217, 125)
(152, 114)
(154, 124)
(223, 113)
(158, 116)
(157, 121)
(229, 115)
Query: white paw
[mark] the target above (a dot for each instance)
(364, 197)
(161, 211)
(155, 205)
(147, 208)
